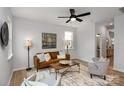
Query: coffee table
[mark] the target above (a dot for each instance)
(58, 66)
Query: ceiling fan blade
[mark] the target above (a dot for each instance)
(68, 20)
(80, 20)
(72, 11)
(84, 14)
(64, 17)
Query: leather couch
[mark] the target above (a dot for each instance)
(54, 59)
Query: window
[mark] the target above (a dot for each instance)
(68, 40)
(10, 54)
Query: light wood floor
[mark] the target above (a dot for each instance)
(18, 77)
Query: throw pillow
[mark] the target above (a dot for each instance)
(60, 56)
(61, 52)
(41, 57)
(47, 56)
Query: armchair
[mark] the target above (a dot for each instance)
(98, 68)
(47, 79)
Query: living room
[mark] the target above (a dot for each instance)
(31, 23)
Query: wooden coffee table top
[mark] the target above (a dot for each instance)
(58, 66)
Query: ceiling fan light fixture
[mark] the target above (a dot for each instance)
(73, 19)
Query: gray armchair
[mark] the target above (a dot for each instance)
(95, 59)
(47, 79)
(98, 68)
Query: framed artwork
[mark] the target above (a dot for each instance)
(48, 40)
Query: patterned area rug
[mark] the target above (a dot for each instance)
(80, 79)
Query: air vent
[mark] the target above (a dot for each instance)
(121, 9)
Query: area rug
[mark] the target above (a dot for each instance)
(80, 79)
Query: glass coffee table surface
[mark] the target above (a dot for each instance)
(61, 65)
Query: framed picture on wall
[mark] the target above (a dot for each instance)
(48, 40)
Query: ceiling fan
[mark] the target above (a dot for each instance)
(74, 17)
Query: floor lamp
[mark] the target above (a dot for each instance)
(28, 45)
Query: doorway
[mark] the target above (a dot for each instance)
(110, 45)
(105, 41)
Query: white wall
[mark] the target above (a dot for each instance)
(119, 43)
(24, 28)
(86, 41)
(5, 65)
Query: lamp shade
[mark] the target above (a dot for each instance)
(97, 35)
(28, 43)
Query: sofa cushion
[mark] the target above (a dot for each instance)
(54, 55)
(61, 56)
(41, 57)
(47, 56)
(61, 52)
(47, 63)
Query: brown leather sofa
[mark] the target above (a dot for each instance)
(39, 65)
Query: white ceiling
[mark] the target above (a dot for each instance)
(50, 14)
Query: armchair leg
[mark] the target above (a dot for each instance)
(104, 77)
(91, 75)
(37, 69)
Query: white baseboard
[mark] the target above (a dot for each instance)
(85, 60)
(22, 68)
(10, 78)
(120, 70)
